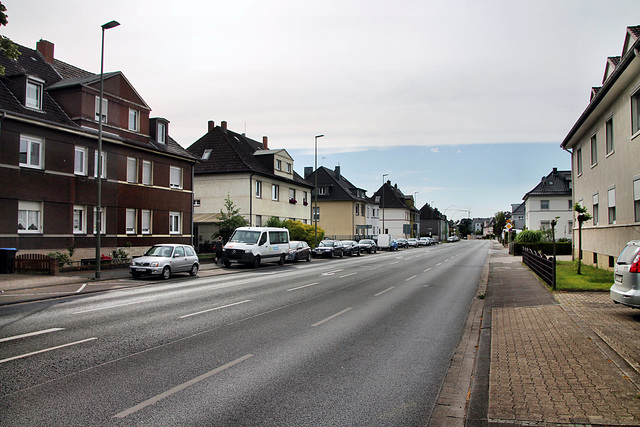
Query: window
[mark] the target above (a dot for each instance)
(29, 217)
(206, 154)
(579, 161)
(34, 94)
(609, 136)
(357, 209)
(636, 199)
(105, 105)
(146, 222)
(275, 192)
(278, 164)
(595, 209)
(103, 173)
(131, 221)
(316, 213)
(323, 191)
(174, 222)
(544, 205)
(146, 172)
(259, 189)
(103, 223)
(292, 194)
(570, 205)
(196, 203)
(611, 195)
(594, 151)
(162, 132)
(304, 197)
(288, 167)
(175, 180)
(258, 220)
(80, 161)
(31, 152)
(134, 120)
(79, 220)
(635, 112)
(132, 169)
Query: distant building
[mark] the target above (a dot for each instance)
(518, 215)
(604, 155)
(551, 199)
(260, 182)
(344, 210)
(49, 162)
(399, 216)
(478, 224)
(433, 223)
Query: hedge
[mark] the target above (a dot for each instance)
(562, 248)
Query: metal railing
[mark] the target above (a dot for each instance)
(544, 267)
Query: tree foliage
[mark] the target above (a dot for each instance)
(465, 226)
(500, 222)
(7, 47)
(231, 219)
(530, 236)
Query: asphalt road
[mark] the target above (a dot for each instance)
(353, 341)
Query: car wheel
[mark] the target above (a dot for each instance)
(341, 254)
(256, 262)
(281, 260)
(136, 276)
(194, 270)
(331, 254)
(227, 264)
(308, 257)
(358, 253)
(166, 273)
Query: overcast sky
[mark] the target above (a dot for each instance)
(373, 76)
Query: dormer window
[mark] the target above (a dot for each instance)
(278, 165)
(105, 108)
(206, 154)
(34, 94)
(162, 133)
(288, 167)
(134, 120)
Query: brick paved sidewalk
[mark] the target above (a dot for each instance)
(545, 369)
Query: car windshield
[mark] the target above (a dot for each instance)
(163, 251)
(245, 236)
(326, 243)
(628, 254)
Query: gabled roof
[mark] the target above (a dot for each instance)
(557, 183)
(430, 213)
(341, 188)
(393, 197)
(232, 152)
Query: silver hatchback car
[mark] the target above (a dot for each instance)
(626, 285)
(164, 260)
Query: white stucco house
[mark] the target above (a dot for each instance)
(551, 199)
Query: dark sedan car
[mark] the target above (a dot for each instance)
(368, 245)
(299, 250)
(351, 247)
(328, 248)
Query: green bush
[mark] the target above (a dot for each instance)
(303, 232)
(530, 236)
(562, 248)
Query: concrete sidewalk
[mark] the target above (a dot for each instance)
(542, 358)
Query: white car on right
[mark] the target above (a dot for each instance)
(626, 278)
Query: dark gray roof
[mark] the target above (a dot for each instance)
(557, 183)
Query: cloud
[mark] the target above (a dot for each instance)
(435, 150)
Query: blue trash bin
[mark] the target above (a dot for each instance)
(7, 258)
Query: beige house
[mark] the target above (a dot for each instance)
(260, 182)
(605, 149)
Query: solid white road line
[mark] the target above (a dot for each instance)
(31, 334)
(180, 387)
(331, 317)
(346, 275)
(412, 277)
(302, 287)
(424, 271)
(112, 306)
(81, 288)
(214, 309)
(46, 349)
(386, 290)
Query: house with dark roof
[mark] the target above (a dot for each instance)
(49, 157)
(399, 216)
(260, 182)
(433, 223)
(518, 215)
(551, 199)
(344, 210)
(606, 171)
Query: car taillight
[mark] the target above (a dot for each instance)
(635, 265)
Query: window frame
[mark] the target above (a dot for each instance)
(132, 170)
(36, 102)
(103, 220)
(596, 209)
(258, 189)
(82, 222)
(609, 137)
(611, 203)
(542, 204)
(594, 150)
(104, 164)
(579, 161)
(130, 221)
(147, 179)
(30, 141)
(134, 121)
(161, 133)
(105, 109)
(636, 199)
(173, 224)
(275, 192)
(30, 209)
(144, 214)
(635, 112)
(172, 183)
(84, 156)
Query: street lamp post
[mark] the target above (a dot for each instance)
(315, 209)
(98, 218)
(383, 229)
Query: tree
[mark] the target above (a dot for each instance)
(7, 47)
(465, 226)
(500, 223)
(583, 216)
(230, 220)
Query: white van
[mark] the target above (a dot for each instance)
(254, 245)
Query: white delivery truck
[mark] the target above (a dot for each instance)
(385, 242)
(254, 245)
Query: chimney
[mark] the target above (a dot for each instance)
(337, 172)
(265, 142)
(224, 125)
(555, 170)
(46, 49)
(212, 124)
(308, 170)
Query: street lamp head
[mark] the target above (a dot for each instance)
(319, 136)
(110, 24)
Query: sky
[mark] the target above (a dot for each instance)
(463, 104)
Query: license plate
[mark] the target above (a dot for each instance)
(619, 278)
(141, 269)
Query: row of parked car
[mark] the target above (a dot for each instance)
(414, 243)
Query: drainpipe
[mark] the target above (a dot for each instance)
(251, 199)
(573, 186)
